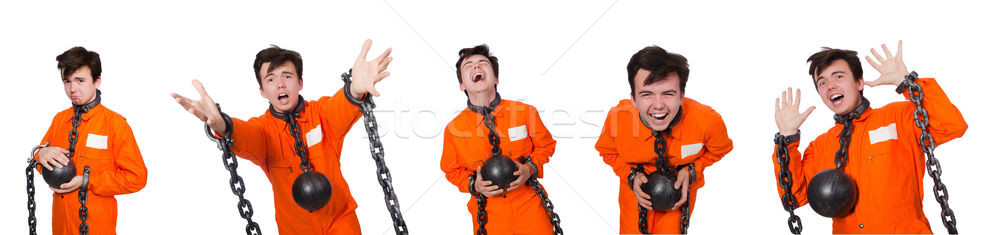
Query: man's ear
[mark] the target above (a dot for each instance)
(861, 83)
(262, 92)
(97, 82)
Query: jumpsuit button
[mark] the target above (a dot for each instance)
(61, 196)
(861, 225)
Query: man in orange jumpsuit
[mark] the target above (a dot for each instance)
(104, 142)
(694, 133)
(516, 210)
(883, 155)
(266, 140)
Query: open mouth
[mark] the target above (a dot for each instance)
(283, 98)
(658, 117)
(837, 98)
(478, 77)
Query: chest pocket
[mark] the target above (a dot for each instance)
(93, 150)
(519, 144)
(691, 150)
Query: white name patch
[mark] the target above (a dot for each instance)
(97, 141)
(883, 133)
(314, 136)
(517, 133)
(691, 149)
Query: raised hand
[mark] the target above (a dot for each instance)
(786, 112)
(366, 73)
(204, 109)
(891, 67)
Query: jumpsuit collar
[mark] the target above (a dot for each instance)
(484, 110)
(862, 107)
(288, 117)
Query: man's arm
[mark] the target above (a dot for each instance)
(128, 172)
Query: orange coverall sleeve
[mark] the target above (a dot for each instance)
(543, 146)
(46, 139)
(454, 171)
(250, 140)
(338, 113)
(717, 145)
(946, 122)
(609, 151)
(128, 174)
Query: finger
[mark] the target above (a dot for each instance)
(63, 160)
(380, 76)
(364, 50)
(385, 54)
(899, 49)
(63, 151)
(870, 83)
(200, 87)
(798, 98)
(888, 54)
(371, 90)
(777, 107)
(384, 64)
(877, 56)
(643, 194)
(872, 62)
(807, 112)
(46, 164)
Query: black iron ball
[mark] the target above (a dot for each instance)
(499, 169)
(59, 175)
(660, 188)
(311, 190)
(832, 193)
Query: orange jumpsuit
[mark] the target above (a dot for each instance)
(266, 141)
(699, 137)
(521, 133)
(886, 161)
(106, 144)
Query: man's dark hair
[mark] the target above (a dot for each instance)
(824, 58)
(660, 63)
(77, 57)
(276, 56)
(481, 49)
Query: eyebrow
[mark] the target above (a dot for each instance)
(469, 61)
(834, 73)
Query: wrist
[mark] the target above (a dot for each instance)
(908, 81)
(784, 138)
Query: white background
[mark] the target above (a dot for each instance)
(566, 58)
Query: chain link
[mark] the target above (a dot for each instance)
(236, 183)
(788, 200)
(660, 148)
(546, 203)
(378, 154)
(927, 144)
(84, 212)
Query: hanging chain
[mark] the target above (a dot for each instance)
(840, 159)
(686, 207)
(928, 145)
(481, 202)
(300, 147)
(235, 180)
(84, 213)
(30, 173)
(788, 200)
(378, 154)
(546, 203)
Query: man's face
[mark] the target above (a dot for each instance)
(281, 86)
(837, 87)
(477, 75)
(80, 86)
(658, 102)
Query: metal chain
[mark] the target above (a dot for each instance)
(927, 144)
(300, 147)
(30, 173)
(382, 171)
(480, 202)
(660, 148)
(840, 159)
(84, 213)
(73, 134)
(788, 200)
(686, 208)
(546, 203)
(236, 183)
